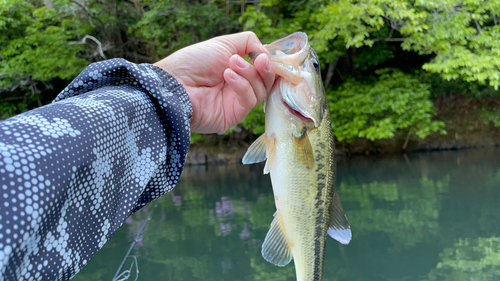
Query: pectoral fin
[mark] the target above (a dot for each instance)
(276, 248)
(339, 226)
(270, 155)
(256, 152)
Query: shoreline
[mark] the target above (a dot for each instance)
(463, 123)
(213, 155)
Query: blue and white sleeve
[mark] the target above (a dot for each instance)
(72, 171)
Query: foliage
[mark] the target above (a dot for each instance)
(372, 56)
(42, 48)
(463, 36)
(376, 111)
(457, 41)
(195, 137)
(491, 116)
(8, 109)
(442, 87)
(167, 26)
(35, 47)
(39, 47)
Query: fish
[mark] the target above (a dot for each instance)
(298, 148)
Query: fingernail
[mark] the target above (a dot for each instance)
(240, 62)
(233, 75)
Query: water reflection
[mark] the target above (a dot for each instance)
(429, 216)
(469, 259)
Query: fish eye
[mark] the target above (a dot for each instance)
(315, 63)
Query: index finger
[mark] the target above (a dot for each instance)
(242, 43)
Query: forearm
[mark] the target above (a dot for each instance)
(114, 140)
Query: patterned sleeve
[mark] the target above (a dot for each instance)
(72, 171)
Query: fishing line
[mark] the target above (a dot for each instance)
(125, 275)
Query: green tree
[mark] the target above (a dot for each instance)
(456, 39)
(46, 44)
(34, 48)
(378, 110)
(461, 34)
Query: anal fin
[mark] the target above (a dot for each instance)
(276, 248)
(339, 228)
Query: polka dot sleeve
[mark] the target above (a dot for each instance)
(71, 172)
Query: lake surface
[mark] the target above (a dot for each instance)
(424, 216)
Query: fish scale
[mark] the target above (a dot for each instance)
(298, 145)
(311, 216)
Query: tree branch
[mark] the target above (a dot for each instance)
(138, 6)
(84, 40)
(407, 140)
(11, 99)
(297, 6)
(394, 39)
(390, 39)
(88, 13)
(478, 27)
(340, 74)
(138, 56)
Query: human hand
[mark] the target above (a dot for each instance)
(222, 86)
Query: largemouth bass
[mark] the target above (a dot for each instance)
(299, 148)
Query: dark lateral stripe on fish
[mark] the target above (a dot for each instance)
(319, 157)
(319, 203)
(317, 255)
(320, 166)
(320, 220)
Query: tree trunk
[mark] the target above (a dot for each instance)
(331, 70)
(256, 5)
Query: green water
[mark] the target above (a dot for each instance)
(425, 216)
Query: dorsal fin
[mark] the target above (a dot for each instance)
(339, 228)
(257, 151)
(276, 248)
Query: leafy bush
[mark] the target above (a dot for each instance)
(36, 44)
(40, 53)
(377, 110)
(492, 116)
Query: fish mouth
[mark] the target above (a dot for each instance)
(296, 112)
(288, 97)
